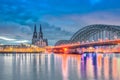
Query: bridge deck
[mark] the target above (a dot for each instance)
(99, 43)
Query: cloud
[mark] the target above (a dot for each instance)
(21, 11)
(14, 30)
(104, 17)
(7, 39)
(72, 23)
(66, 23)
(22, 41)
(14, 33)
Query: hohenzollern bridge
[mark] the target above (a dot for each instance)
(90, 39)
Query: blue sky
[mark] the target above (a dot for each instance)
(60, 19)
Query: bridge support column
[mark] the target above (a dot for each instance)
(99, 34)
(102, 35)
(106, 34)
(109, 33)
(94, 37)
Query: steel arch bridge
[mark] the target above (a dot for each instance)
(62, 42)
(93, 33)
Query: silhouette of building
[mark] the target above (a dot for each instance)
(38, 39)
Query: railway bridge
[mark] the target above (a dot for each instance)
(91, 38)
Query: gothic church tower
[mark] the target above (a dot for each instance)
(38, 40)
(34, 39)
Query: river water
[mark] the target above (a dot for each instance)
(45, 66)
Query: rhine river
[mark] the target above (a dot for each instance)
(59, 67)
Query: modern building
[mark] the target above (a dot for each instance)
(38, 39)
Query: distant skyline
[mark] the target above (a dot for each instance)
(60, 19)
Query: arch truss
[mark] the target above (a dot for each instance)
(94, 33)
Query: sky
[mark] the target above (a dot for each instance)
(60, 19)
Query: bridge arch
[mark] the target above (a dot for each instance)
(62, 42)
(95, 32)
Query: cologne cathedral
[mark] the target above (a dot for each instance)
(38, 39)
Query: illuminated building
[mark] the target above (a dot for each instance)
(38, 39)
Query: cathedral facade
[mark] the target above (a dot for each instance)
(38, 39)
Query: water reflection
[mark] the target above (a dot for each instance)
(59, 67)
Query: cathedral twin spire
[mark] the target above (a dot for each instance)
(40, 33)
(35, 32)
(40, 36)
(38, 39)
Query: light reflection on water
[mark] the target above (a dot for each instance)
(59, 67)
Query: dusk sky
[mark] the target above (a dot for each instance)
(60, 19)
